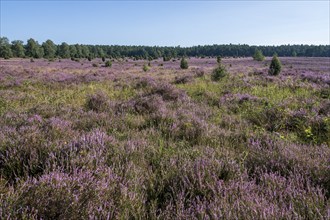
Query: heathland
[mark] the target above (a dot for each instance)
(146, 139)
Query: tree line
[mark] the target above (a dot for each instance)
(50, 50)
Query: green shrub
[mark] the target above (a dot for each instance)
(183, 63)
(275, 66)
(219, 59)
(166, 58)
(258, 55)
(218, 73)
(95, 65)
(108, 63)
(145, 68)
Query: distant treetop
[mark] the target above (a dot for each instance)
(48, 49)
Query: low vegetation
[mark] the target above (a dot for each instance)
(220, 140)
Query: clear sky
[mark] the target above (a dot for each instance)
(167, 23)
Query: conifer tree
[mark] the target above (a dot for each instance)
(183, 63)
(275, 66)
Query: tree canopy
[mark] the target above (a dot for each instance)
(50, 50)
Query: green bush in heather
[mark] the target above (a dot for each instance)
(183, 63)
(275, 66)
(145, 68)
(258, 56)
(108, 63)
(219, 73)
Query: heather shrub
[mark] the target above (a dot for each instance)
(97, 102)
(269, 156)
(240, 102)
(316, 78)
(199, 72)
(316, 131)
(183, 63)
(57, 128)
(188, 127)
(324, 109)
(83, 194)
(168, 92)
(218, 73)
(183, 79)
(180, 125)
(145, 82)
(243, 199)
(90, 120)
(271, 118)
(275, 66)
(23, 153)
(296, 120)
(54, 195)
(310, 129)
(87, 151)
(264, 156)
(148, 104)
(196, 179)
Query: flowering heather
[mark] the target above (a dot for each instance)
(84, 142)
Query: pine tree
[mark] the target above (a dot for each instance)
(219, 73)
(218, 59)
(275, 66)
(258, 55)
(184, 63)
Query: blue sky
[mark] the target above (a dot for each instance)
(167, 23)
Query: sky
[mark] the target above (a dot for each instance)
(167, 23)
